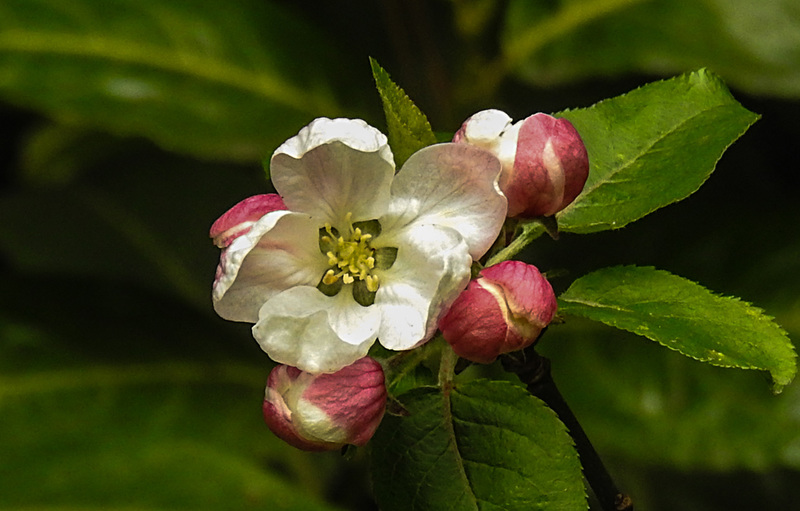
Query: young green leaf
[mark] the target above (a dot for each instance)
(409, 129)
(483, 445)
(212, 79)
(651, 147)
(685, 317)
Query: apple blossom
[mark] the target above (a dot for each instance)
(545, 164)
(359, 253)
(503, 310)
(319, 412)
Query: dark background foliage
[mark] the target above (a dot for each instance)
(120, 388)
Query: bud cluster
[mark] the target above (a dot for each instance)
(544, 166)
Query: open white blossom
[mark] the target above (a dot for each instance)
(355, 252)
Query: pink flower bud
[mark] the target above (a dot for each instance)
(545, 164)
(238, 220)
(503, 310)
(320, 412)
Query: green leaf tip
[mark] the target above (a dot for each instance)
(651, 147)
(408, 128)
(686, 317)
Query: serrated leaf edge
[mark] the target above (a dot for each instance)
(710, 78)
(777, 386)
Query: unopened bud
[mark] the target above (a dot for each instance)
(503, 310)
(319, 412)
(545, 164)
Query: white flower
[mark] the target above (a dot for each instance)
(359, 253)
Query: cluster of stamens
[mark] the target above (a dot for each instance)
(351, 258)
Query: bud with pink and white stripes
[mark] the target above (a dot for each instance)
(320, 412)
(503, 310)
(545, 164)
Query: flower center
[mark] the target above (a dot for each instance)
(352, 259)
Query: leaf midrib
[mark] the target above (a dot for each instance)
(631, 161)
(447, 411)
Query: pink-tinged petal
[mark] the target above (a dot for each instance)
(352, 399)
(335, 167)
(527, 292)
(324, 412)
(451, 185)
(550, 167)
(503, 310)
(475, 325)
(285, 385)
(304, 328)
(431, 269)
(240, 218)
(280, 251)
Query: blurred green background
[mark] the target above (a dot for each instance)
(132, 124)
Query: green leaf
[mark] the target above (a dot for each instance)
(483, 445)
(685, 317)
(211, 79)
(409, 129)
(651, 147)
(755, 46)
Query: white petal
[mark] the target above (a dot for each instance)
(303, 328)
(452, 185)
(333, 167)
(280, 251)
(431, 269)
(354, 133)
(485, 128)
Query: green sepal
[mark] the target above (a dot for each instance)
(409, 129)
(385, 257)
(361, 294)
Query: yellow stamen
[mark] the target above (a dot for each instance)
(351, 254)
(329, 278)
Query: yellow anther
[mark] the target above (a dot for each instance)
(329, 278)
(350, 256)
(332, 259)
(372, 283)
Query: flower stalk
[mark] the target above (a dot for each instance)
(534, 370)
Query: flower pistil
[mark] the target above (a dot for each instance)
(352, 259)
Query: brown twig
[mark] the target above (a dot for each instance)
(534, 370)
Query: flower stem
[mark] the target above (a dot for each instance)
(530, 231)
(447, 366)
(534, 370)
